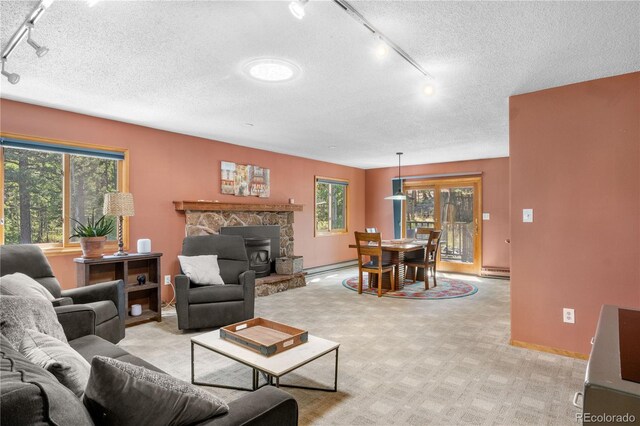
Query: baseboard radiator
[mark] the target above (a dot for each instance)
(495, 272)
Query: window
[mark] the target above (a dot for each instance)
(47, 183)
(331, 206)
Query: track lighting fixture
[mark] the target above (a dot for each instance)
(385, 44)
(12, 77)
(297, 8)
(40, 50)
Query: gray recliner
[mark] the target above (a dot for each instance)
(204, 306)
(102, 305)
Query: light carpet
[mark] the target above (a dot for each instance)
(428, 363)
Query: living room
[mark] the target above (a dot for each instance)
(535, 106)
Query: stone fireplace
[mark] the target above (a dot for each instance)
(210, 217)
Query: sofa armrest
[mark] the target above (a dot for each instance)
(76, 320)
(62, 301)
(182, 300)
(266, 406)
(248, 281)
(110, 290)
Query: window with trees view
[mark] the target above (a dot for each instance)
(46, 185)
(331, 206)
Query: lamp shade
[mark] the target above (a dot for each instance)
(118, 204)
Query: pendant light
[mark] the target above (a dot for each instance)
(398, 195)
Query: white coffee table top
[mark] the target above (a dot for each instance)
(275, 365)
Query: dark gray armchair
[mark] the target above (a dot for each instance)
(96, 309)
(205, 306)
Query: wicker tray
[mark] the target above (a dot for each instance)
(264, 336)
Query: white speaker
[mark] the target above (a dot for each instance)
(144, 245)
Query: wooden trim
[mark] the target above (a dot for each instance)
(330, 233)
(548, 349)
(66, 247)
(450, 182)
(212, 206)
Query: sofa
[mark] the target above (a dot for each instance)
(103, 303)
(30, 395)
(205, 306)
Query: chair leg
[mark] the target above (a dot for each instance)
(415, 273)
(360, 282)
(392, 277)
(433, 272)
(379, 285)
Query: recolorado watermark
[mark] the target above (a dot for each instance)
(605, 418)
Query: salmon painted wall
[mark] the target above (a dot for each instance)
(168, 166)
(575, 160)
(495, 200)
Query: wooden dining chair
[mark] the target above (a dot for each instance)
(430, 255)
(369, 244)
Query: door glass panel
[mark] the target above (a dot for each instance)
(421, 209)
(456, 213)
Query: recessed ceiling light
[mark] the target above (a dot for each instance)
(332, 147)
(382, 49)
(271, 70)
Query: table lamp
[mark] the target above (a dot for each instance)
(119, 204)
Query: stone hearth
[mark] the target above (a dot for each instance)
(210, 222)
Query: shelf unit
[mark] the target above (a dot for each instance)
(127, 268)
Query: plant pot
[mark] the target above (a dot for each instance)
(92, 247)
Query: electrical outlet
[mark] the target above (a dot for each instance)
(167, 280)
(568, 315)
(527, 215)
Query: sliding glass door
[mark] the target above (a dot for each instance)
(454, 206)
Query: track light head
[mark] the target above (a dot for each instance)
(429, 90)
(12, 77)
(297, 8)
(40, 50)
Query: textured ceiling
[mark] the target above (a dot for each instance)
(177, 66)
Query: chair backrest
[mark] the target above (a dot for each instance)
(423, 233)
(31, 261)
(431, 249)
(232, 255)
(368, 244)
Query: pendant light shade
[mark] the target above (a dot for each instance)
(398, 195)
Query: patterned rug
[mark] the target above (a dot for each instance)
(447, 288)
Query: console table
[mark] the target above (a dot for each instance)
(127, 268)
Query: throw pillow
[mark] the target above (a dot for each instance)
(19, 284)
(119, 393)
(201, 269)
(18, 313)
(58, 358)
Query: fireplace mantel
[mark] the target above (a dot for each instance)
(212, 206)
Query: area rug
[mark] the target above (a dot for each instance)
(447, 288)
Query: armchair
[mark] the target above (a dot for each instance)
(96, 309)
(205, 306)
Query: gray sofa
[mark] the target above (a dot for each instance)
(30, 395)
(204, 306)
(103, 304)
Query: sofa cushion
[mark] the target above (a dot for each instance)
(91, 345)
(19, 313)
(211, 294)
(124, 394)
(30, 395)
(19, 284)
(104, 309)
(60, 359)
(203, 270)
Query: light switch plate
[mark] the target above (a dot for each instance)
(527, 215)
(486, 216)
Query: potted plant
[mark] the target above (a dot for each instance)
(92, 235)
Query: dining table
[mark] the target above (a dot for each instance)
(393, 251)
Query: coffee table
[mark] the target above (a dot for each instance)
(273, 367)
